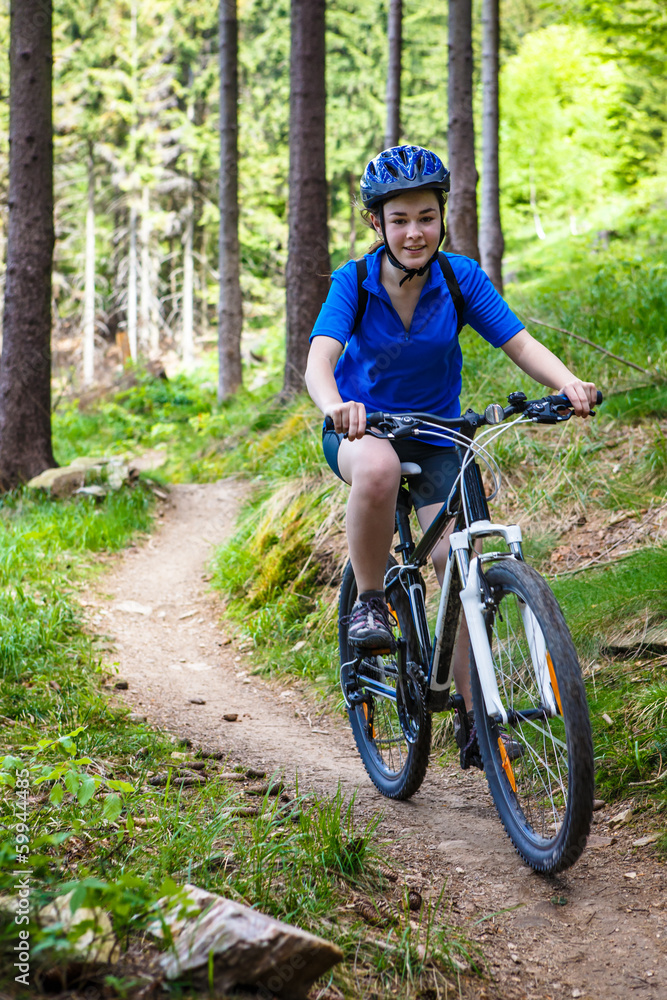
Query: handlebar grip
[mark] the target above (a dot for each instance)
(374, 418)
(561, 398)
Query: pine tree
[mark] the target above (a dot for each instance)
(25, 371)
(394, 34)
(462, 213)
(307, 276)
(230, 313)
(491, 242)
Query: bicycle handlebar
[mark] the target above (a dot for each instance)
(551, 409)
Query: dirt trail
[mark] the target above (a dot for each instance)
(607, 942)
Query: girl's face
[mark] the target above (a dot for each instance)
(412, 225)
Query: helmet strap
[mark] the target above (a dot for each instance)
(410, 272)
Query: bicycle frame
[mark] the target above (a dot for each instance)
(460, 588)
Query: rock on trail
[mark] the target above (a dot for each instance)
(605, 942)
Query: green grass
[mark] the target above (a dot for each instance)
(624, 599)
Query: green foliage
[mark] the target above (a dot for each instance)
(619, 601)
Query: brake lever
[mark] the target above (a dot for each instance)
(550, 410)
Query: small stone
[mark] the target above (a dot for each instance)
(629, 874)
(577, 993)
(598, 804)
(620, 819)
(595, 842)
(121, 685)
(645, 841)
(197, 701)
(608, 719)
(298, 645)
(134, 608)
(230, 716)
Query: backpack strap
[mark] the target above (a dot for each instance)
(454, 290)
(362, 293)
(447, 273)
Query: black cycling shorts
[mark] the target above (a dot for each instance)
(440, 466)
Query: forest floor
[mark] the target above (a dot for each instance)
(598, 932)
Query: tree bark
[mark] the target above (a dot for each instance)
(308, 267)
(89, 281)
(132, 282)
(462, 214)
(25, 368)
(491, 242)
(187, 304)
(394, 33)
(145, 293)
(230, 306)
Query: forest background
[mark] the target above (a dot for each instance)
(583, 179)
(583, 100)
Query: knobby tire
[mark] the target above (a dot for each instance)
(543, 788)
(395, 766)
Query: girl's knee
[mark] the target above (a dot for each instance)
(378, 477)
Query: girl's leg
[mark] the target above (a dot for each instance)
(372, 468)
(462, 649)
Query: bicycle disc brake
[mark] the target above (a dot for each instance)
(411, 702)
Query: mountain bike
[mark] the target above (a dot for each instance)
(527, 689)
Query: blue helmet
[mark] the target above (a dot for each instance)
(402, 168)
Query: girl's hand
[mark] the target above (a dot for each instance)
(582, 395)
(348, 418)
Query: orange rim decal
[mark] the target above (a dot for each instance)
(371, 727)
(507, 766)
(554, 682)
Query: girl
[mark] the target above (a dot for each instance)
(404, 355)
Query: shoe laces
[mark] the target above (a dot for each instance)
(377, 607)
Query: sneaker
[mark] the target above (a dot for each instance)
(370, 624)
(465, 733)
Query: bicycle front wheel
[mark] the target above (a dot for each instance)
(540, 765)
(393, 735)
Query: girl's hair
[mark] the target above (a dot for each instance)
(366, 214)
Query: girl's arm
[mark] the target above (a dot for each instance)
(537, 361)
(349, 418)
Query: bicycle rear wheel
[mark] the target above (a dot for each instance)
(393, 737)
(540, 766)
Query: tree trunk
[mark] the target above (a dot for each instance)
(187, 312)
(491, 242)
(394, 32)
(89, 281)
(462, 214)
(308, 267)
(145, 293)
(25, 369)
(132, 282)
(230, 307)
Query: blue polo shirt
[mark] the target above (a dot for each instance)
(386, 367)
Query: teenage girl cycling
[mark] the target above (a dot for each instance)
(405, 355)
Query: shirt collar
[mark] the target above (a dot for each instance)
(373, 283)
